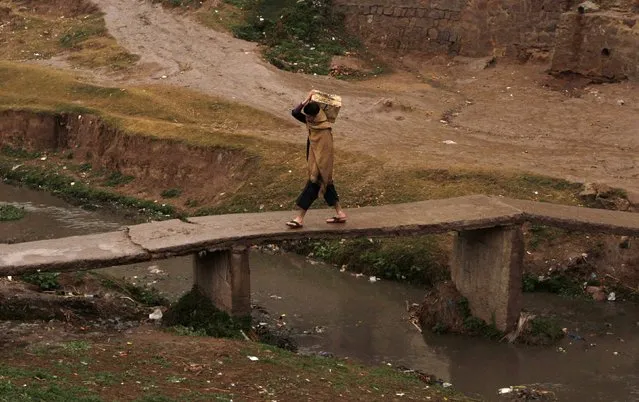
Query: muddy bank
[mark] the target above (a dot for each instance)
(148, 166)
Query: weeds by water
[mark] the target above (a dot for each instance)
(67, 187)
(145, 295)
(418, 260)
(195, 314)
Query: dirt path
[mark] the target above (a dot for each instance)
(501, 118)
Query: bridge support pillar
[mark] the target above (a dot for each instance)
(486, 267)
(225, 278)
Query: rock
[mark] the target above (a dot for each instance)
(597, 292)
(633, 199)
(156, 314)
(588, 191)
(587, 7)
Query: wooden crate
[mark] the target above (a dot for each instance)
(331, 104)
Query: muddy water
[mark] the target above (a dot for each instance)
(338, 313)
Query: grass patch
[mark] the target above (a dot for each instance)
(11, 213)
(184, 369)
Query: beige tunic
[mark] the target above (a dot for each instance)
(320, 154)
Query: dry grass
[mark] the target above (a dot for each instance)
(28, 32)
(219, 15)
(189, 116)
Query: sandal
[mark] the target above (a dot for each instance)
(336, 219)
(294, 224)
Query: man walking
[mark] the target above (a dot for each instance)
(319, 158)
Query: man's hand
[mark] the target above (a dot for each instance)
(308, 98)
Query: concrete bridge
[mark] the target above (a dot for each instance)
(486, 264)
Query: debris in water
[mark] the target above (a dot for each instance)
(156, 314)
(343, 269)
(508, 390)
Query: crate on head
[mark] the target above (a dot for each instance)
(330, 104)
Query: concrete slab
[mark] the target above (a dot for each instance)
(577, 218)
(70, 254)
(221, 231)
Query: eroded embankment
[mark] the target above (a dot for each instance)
(155, 165)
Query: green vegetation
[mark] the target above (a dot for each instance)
(474, 326)
(45, 280)
(171, 193)
(300, 36)
(561, 284)
(66, 187)
(543, 331)
(116, 179)
(418, 260)
(194, 314)
(10, 213)
(145, 295)
(143, 368)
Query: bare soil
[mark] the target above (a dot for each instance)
(511, 117)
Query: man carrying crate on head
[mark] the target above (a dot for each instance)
(319, 157)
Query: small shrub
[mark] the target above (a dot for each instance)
(11, 213)
(116, 179)
(171, 193)
(198, 315)
(301, 36)
(45, 280)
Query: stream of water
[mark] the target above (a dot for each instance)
(338, 313)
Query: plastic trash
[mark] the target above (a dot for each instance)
(502, 391)
(156, 314)
(253, 358)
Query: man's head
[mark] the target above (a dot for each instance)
(311, 109)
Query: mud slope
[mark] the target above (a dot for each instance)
(500, 119)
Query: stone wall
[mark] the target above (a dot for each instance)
(601, 45)
(466, 27)
(432, 26)
(523, 29)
